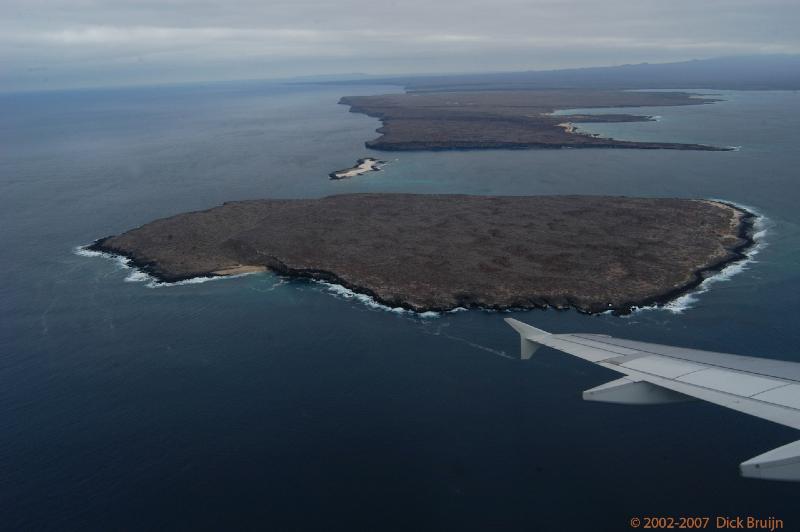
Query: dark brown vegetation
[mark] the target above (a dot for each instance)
(506, 118)
(434, 252)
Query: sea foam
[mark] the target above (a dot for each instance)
(687, 301)
(136, 275)
(346, 293)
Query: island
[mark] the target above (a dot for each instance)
(509, 118)
(439, 252)
(363, 166)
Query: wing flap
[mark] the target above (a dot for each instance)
(788, 396)
(733, 382)
(767, 367)
(782, 415)
(663, 366)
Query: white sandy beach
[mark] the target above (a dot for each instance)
(364, 166)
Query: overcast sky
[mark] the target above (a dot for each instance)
(73, 43)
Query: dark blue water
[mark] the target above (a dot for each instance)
(253, 403)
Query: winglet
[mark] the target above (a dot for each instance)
(528, 337)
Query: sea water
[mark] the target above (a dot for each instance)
(262, 403)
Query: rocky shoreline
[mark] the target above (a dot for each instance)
(744, 231)
(508, 119)
(489, 270)
(383, 145)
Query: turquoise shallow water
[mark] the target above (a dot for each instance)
(259, 403)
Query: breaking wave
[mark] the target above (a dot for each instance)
(345, 293)
(136, 275)
(687, 301)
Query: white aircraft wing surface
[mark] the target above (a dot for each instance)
(659, 374)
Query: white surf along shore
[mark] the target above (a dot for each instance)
(684, 302)
(137, 276)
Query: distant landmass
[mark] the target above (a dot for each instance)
(508, 118)
(439, 252)
(756, 72)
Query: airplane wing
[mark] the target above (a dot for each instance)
(659, 374)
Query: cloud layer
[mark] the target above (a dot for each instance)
(57, 43)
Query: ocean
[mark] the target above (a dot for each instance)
(262, 403)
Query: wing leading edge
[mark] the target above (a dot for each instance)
(659, 374)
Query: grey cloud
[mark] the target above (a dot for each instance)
(96, 42)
